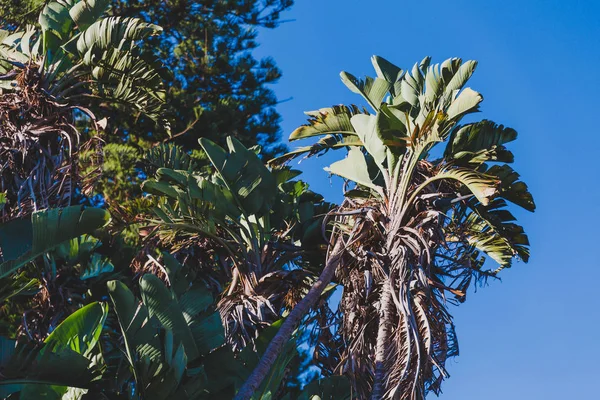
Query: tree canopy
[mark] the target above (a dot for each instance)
(152, 246)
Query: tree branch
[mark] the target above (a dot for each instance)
(289, 325)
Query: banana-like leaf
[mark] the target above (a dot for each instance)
(484, 187)
(464, 73)
(371, 89)
(386, 70)
(160, 360)
(434, 83)
(97, 265)
(140, 335)
(162, 189)
(81, 251)
(162, 304)
(24, 239)
(17, 285)
(55, 18)
(325, 121)
(165, 381)
(37, 368)
(11, 50)
(219, 197)
(113, 32)
(480, 142)
(411, 86)
(369, 129)
(86, 12)
(121, 77)
(511, 188)
(81, 330)
(323, 145)
(77, 249)
(78, 333)
(208, 332)
(355, 168)
(467, 102)
(168, 155)
(491, 230)
(197, 198)
(437, 79)
(173, 176)
(244, 174)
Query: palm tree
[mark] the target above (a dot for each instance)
(51, 78)
(54, 79)
(417, 224)
(254, 234)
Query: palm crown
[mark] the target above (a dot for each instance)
(51, 77)
(423, 223)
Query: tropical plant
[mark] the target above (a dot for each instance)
(218, 88)
(26, 238)
(170, 328)
(64, 363)
(416, 226)
(31, 301)
(51, 79)
(255, 234)
(169, 343)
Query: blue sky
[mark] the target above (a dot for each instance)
(535, 334)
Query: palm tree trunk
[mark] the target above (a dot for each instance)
(289, 325)
(383, 335)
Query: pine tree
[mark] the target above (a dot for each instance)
(216, 86)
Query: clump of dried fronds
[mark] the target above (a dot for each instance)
(404, 271)
(38, 147)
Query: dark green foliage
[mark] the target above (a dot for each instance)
(15, 13)
(24, 239)
(216, 88)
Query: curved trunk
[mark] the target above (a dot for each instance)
(383, 335)
(289, 325)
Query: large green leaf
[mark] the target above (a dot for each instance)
(480, 142)
(464, 73)
(96, 266)
(386, 70)
(369, 130)
(323, 145)
(437, 79)
(81, 330)
(511, 188)
(162, 304)
(325, 121)
(17, 285)
(112, 32)
(484, 187)
(467, 102)
(491, 229)
(55, 18)
(43, 372)
(244, 174)
(372, 89)
(355, 168)
(411, 85)
(24, 239)
(208, 332)
(86, 12)
(79, 333)
(138, 334)
(168, 155)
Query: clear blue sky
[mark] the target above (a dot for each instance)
(536, 334)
